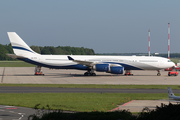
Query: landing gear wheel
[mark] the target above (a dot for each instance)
(158, 74)
(93, 74)
(128, 73)
(86, 74)
(90, 73)
(38, 71)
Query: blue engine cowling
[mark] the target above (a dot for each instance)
(117, 70)
(114, 69)
(102, 67)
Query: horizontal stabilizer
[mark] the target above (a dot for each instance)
(15, 56)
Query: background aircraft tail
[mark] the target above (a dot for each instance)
(170, 93)
(19, 46)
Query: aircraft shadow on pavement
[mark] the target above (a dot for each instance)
(97, 75)
(78, 75)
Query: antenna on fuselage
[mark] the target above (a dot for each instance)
(168, 40)
(149, 42)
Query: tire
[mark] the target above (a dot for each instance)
(93, 74)
(86, 74)
(158, 74)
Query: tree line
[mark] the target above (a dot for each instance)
(60, 50)
(67, 50)
(172, 55)
(63, 50)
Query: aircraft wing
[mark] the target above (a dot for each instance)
(15, 56)
(174, 101)
(87, 63)
(170, 100)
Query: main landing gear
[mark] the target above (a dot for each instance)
(128, 72)
(158, 73)
(90, 73)
(38, 71)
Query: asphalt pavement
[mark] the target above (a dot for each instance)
(4, 89)
(15, 113)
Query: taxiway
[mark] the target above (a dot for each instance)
(25, 75)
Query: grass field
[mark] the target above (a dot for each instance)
(96, 86)
(15, 64)
(75, 101)
(175, 60)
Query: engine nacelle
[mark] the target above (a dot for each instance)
(110, 68)
(117, 70)
(101, 67)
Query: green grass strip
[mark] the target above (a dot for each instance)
(15, 64)
(96, 86)
(85, 102)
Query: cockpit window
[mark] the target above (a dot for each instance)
(169, 61)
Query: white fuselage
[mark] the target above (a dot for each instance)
(128, 62)
(112, 64)
(174, 98)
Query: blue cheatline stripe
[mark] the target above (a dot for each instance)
(77, 66)
(21, 48)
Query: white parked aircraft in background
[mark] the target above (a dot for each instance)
(90, 63)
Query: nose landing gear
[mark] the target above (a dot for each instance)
(158, 73)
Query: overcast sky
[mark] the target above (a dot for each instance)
(107, 26)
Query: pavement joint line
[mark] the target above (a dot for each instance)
(122, 105)
(128, 102)
(2, 75)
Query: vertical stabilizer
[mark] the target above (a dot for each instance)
(170, 93)
(19, 46)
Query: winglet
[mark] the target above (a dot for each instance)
(70, 58)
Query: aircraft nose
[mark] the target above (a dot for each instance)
(173, 64)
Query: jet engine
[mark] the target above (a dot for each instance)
(110, 68)
(117, 70)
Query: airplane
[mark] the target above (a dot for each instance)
(172, 97)
(90, 63)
